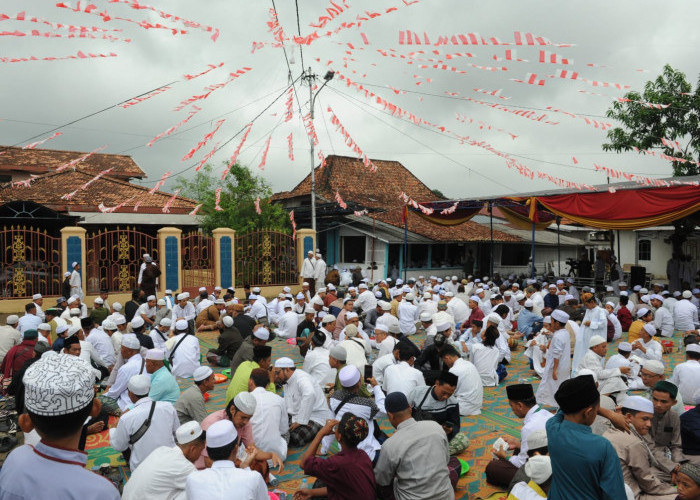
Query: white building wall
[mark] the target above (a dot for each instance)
(660, 251)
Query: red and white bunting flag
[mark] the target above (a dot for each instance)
(160, 183)
(136, 100)
(290, 147)
(104, 172)
(671, 144)
(290, 100)
(109, 210)
(321, 157)
(234, 156)
(195, 210)
(360, 213)
(172, 129)
(207, 157)
(350, 142)
(258, 210)
(136, 207)
(530, 79)
(509, 55)
(263, 161)
(552, 58)
(217, 207)
(365, 40)
(169, 203)
(209, 89)
(79, 55)
(73, 163)
(32, 145)
(575, 160)
(206, 139)
(106, 16)
(23, 16)
(26, 182)
(567, 74)
(450, 210)
(210, 67)
(82, 34)
(340, 201)
(134, 4)
(294, 225)
(494, 93)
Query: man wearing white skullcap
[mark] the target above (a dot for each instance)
(539, 469)
(183, 351)
(687, 375)
(190, 405)
(76, 281)
(288, 322)
(685, 313)
(558, 360)
(146, 426)
(59, 397)
(160, 333)
(260, 336)
(116, 399)
(595, 322)
(646, 347)
(163, 474)
(305, 401)
(184, 309)
(610, 381)
(9, 335)
(634, 453)
(224, 479)
(164, 387)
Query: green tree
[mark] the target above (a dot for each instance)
(239, 192)
(644, 127)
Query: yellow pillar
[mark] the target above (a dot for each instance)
(224, 257)
(306, 240)
(169, 259)
(73, 250)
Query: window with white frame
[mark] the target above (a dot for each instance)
(644, 249)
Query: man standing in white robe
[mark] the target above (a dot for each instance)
(595, 322)
(558, 365)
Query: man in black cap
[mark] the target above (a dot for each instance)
(437, 403)
(584, 465)
(414, 459)
(521, 398)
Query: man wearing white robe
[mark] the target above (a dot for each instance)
(76, 282)
(595, 322)
(558, 364)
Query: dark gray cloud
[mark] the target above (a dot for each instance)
(625, 36)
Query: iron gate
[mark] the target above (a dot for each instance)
(197, 260)
(31, 262)
(114, 258)
(266, 258)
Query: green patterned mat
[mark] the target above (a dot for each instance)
(495, 420)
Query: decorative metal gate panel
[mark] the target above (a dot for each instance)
(265, 258)
(31, 262)
(114, 258)
(197, 260)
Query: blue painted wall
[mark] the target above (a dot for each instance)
(308, 245)
(74, 252)
(226, 260)
(172, 251)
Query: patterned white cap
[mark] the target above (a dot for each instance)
(139, 385)
(221, 433)
(188, 432)
(130, 341)
(58, 385)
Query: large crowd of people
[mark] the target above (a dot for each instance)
(594, 427)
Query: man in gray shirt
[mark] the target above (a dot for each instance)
(414, 459)
(190, 405)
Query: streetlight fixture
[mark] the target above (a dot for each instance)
(310, 77)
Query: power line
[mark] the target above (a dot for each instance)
(301, 50)
(506, 152)
(236, 134)
(89, 115)
(429, 147)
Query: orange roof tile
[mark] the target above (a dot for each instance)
(41, 161)
(48, 190)
(349, 177)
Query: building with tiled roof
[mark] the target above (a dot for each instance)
(33, 192)
(17, 164)
(378, 236)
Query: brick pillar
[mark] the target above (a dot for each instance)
(169, 260)
(224, 257)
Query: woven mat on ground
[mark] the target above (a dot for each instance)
(495, 420)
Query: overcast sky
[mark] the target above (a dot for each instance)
(625, 36)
